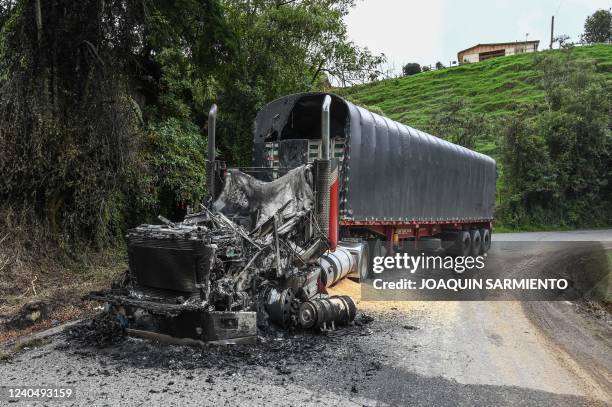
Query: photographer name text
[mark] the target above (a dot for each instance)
(453, 284)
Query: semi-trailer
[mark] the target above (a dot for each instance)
(390, 184)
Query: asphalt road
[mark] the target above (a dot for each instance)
(412, 353)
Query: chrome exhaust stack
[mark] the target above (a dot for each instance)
(325, 131)
(323, 170)
(212, 123)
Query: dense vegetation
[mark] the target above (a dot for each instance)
(103, 105)
(545, 117)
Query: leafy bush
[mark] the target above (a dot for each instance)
(175, 154)
(455, 122)
(411, 69)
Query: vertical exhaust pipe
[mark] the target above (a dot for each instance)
(324, 183)
(332, 178)
(325, 131)
(212, 122)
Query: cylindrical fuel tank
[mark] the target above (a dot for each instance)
(360, 253)
(327, 312)
(336, 265)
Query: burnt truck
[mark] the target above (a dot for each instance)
(332, 185)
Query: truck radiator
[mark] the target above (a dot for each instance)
(168, 264)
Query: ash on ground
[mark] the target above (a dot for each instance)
(281, 349)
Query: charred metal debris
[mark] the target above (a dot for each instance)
(250, 259)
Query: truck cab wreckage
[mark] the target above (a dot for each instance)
(332, 186)
(250, 258)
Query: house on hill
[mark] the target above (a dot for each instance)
(480, 52)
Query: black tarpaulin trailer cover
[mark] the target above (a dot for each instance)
(390, 171)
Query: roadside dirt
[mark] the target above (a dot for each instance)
(38, 279)
(582, 341)
(580, 332)
(29, 272)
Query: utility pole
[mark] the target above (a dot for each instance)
(552, 30)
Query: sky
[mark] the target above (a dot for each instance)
(426, 31)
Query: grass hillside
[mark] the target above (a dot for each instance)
(544, 117)
(494, 87)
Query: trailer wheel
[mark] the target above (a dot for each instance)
(485, 237)
(476, 245)
(462, 244)
(365, 266)
(375, 248)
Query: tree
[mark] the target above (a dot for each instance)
(425, 68)
(564, 41)
(528, 173)
(440, 65)
(285, 47)
(598, 27)
(411, 68)
(6, 6)
(67, 129)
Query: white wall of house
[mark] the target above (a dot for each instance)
(473, 55)
(470, 58)
(520, 48)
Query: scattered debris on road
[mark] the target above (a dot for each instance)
(102, 330)
(29, 314)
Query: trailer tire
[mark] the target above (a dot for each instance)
(463, 244)
(476, 243)
(375, 248)
(365, 265)
(485, 237)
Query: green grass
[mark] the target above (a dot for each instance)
(495, 87)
